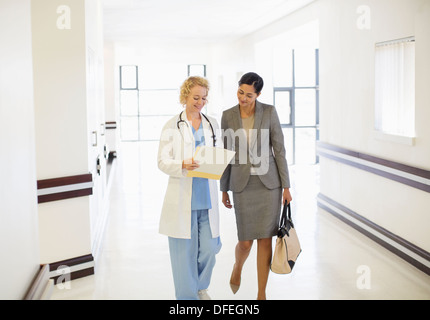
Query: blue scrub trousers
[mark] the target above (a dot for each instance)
(194, 259)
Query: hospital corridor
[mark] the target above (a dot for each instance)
(330, 95)
(133, 262)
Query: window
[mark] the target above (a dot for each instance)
(148, 98)
(128, 78)
(198, 70)
(296, 97)
(395, 87)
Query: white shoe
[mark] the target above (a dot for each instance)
(203, 295)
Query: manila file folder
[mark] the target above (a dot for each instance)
(213, 162)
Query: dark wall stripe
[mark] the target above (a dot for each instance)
(73, 188)
(389, 164)
(65, 195)
(65, 181)
(77, 275)
(80, 273)
(110, 125)
(71, 262)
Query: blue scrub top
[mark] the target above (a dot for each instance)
(201, 198)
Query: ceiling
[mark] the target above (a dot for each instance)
(202, 21)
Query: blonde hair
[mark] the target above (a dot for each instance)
(190, 83)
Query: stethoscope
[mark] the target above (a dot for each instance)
(180, 120)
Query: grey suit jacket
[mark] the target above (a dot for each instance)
(265, 150)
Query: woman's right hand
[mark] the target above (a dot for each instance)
(190, 165)
(226, 200)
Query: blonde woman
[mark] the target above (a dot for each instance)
(190, 214)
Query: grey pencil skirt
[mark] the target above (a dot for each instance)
(258, 210)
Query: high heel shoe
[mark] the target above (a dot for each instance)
(234, 287)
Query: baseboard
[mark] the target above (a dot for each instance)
(416, 256)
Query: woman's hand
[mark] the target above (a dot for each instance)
(190, 165)
(286, 197)
(226, 200)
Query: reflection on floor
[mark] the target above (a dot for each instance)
(337, 262)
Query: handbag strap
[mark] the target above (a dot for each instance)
(286, 215)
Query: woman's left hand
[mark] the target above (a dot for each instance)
(286, 197)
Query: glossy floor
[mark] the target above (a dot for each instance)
(337, 262)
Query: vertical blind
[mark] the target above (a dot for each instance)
(395, 87)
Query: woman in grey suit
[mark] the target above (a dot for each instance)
(258, 177)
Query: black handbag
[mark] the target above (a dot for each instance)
(287, 248)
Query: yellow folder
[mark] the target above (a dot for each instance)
(212, 162)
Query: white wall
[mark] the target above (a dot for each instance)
(229, 62)
(110, 94)
(60, 90)
(255, 52)
(99, 202)
(67, 104)
(347, 112)
(349, 59)
(19, 248)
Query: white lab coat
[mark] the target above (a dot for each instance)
(177, 145)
